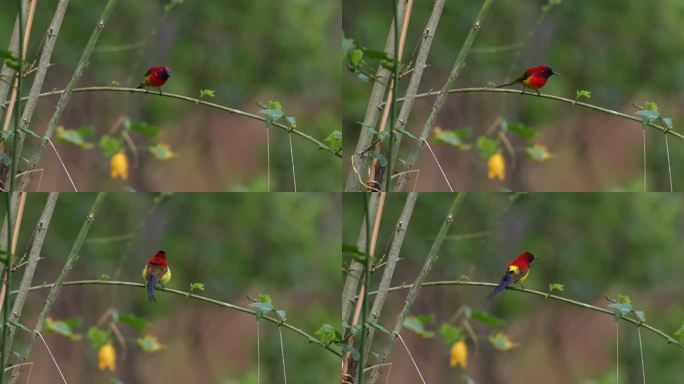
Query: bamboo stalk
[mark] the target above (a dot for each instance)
(71, 260)
(415, 289)
(441, 98)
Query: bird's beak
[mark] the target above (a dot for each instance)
(555, 73)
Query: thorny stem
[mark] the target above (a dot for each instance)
(190, 295)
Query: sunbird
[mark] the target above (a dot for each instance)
(156, 271)
(155, 77)
(534, 78)
(516, 272)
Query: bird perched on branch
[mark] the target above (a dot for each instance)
(156, 271)
(155, 77)
(534, 78)
(516, 272)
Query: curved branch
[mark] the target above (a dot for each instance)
(273, 320)
(283, 127)
(553, 97)
(670, 339)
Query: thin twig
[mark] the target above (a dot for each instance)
(669, 165)
(617, 353)
(439, 166)
(52, 357)
(411, 356)
(556, 98)
(189, 295)
(294, 174)
(641, 352)
(282, 353)
(668, 338)
(234, 111)
(63, 166)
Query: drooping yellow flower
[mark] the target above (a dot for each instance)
(119, 165)
(106, 357)
(496, 167)
(459, 354)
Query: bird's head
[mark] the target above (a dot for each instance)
(548, 72)
(527, 257)
(165, 73)
(159, 258)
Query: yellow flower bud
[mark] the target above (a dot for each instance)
(119, 166)
(106, 357)
(496, 167)
(459, 354)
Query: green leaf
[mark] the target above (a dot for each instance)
(382, 160)
(357, 255)
(149, 343)
(501, 341)
(5, 158)
(347, 45)
(196, 286)
(668, 122)
(291, 121)
(145, 129)
(649, 115)
(132, 321)
(206, 93)
(25, 328)
(623, 308)
(73, 136)
(538, 152)
(64, 328)
(582, 93)
(452, 137)
(262, 309)
(651, 106)
(327, 334)
(265, 298)
(377, 326)
(281, 315)
(679, 334)
(625, 299)
(520, 130)
(487, 147)
(556, 287)
(415, 324)
(97, 337)
(355, 56)
(161, 152)
(450, 333)
(640, 315)
(485, 318)
(4, 54)
(353, 351)
(334, 141)
(110, 146)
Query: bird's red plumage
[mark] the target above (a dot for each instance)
(522, 261)
(157, 76)
(158, 260)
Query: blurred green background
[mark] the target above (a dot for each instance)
(236, 244)
(595, 244)
(623, 51)
(247, 51)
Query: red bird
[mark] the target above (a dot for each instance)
(155, 77)
(516, 272)
(156, 271)
(534, 78)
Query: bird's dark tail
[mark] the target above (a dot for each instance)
(506, 85)
(505, 282)
(150, 287)
(141, 85)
